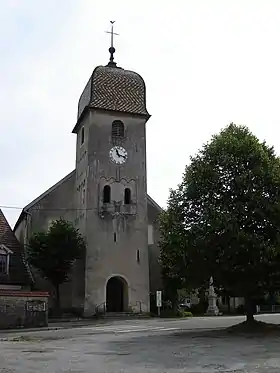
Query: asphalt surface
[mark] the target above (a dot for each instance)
(140, 346)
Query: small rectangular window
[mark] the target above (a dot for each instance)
(3, 264)
(138, 256)
(82, 136)
(115, 237)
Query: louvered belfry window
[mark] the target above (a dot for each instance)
(117, 129)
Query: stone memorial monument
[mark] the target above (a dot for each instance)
(212, 309)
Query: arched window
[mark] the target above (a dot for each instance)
(117, 128)
(106, 194)
(127, 196)
(82, 136)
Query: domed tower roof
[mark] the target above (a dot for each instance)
(115, 89)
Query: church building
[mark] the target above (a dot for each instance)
(106, 198)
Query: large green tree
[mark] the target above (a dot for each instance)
(53, 253)
(223, 220)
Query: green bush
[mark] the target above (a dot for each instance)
(168, 313)
(184, 314)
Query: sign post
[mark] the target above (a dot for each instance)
(159, 301)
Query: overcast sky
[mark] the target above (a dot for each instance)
(205, 63)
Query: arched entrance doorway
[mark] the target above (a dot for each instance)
(116, 295)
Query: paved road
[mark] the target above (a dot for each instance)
(141, 346)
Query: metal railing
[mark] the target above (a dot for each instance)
(101, 309)
(274, 308)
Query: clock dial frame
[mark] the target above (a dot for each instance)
(118, 155)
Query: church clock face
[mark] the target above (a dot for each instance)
(118, 155)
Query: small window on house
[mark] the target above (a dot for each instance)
(138, 256)
(117, 129)
(82, 136)
(127, 196)
(83, 196)
(115, 237)
(3, 264)
(4, 259)
(106, 194)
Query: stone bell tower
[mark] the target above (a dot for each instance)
(111, 189)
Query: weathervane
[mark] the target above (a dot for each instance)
(112, 48)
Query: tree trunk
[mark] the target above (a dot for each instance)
(271, 298)
(249, 310)
(57, 300)
(228, 303)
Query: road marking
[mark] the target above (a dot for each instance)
(168, 329)
(113, 327)
(130, 329)
(150, 329)
(137, 330)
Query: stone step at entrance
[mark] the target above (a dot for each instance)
(123, 315)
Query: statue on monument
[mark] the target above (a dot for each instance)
(212, 309)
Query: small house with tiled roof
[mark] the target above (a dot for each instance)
(14, 271)
(19, 306)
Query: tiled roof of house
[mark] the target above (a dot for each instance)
(18, 270)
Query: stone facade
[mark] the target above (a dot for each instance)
(113, 232)
(55, 203)
(153, 247)
(40, 213)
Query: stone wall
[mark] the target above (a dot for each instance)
(23, 309)
(154, 250)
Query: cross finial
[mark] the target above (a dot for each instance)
(112, 48)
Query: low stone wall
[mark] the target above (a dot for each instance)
(23, 309)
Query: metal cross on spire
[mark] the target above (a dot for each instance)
(112, 48)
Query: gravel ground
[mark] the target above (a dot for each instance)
(142, 346)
